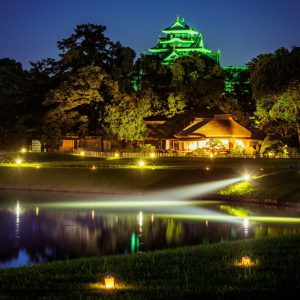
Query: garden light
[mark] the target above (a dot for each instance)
(23, 150)
(109, 282)
(246, 261)
(152, 154)
(93, 167)
(82, 153)
(116, 154)
(246, 223)
(211, 155)
(246, 177)
(207, 168)
(19, 161)
(141, 164)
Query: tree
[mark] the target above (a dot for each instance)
(237, 98)
(86, 46)
(287, 108)
(125, 117)
(199, 80)
(274, 80)
(189, 85)
(89, 45)
(13, 88)
(78, 104)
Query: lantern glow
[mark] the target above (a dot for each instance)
(246, 261)
(109, 282)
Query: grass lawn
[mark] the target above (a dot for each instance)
(200, 272)
(272, 179)
(206, 272)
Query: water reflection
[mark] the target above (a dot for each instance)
(32, 234)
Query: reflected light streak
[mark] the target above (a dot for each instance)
(17, 210)
(246, 225)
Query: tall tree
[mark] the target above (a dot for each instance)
(13, 88)
(273, 78)
(78, 104)
(199, 80)
(89, 45)
(125, 117)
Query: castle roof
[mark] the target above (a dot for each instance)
(179, 26)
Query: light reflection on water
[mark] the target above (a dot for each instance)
(31, 232)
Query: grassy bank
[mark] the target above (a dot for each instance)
(272, 179)
(186, 273)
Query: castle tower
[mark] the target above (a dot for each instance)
(181, 40)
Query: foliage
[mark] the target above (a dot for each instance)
(125, 117)
(200, 152)
(243, 188)
(199, 80)
(215, 145)
(234, 210)
(79, 102)
(13, 103)
(249, 150)
(275, 83)
(271, 145)
(237, 150)
(148, 148)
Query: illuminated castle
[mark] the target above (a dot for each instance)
(181, 40)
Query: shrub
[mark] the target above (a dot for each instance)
(237, 151)
(147, 148)
(200, 152)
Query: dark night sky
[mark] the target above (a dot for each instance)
(241, 29)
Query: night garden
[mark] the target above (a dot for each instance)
(155, 162)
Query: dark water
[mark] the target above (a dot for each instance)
(32, 231)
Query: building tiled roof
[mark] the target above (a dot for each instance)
(159, 129)
(220, 126)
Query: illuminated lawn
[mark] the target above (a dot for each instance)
(271, 179)
(210, 271)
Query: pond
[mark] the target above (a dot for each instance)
(44, 227)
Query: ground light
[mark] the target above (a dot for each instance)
(19, 161)
(23, 150)
(93, 167)
(109, 282)
(82, 153)
(141, 163)
(246, 261)
(246, 177)
(116, 154)
(152, 154)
